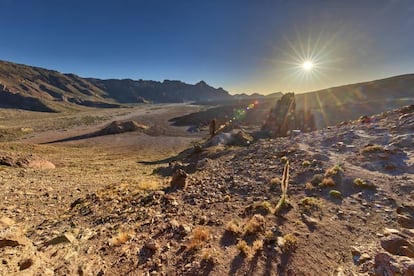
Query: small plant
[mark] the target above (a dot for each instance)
(327, 182)
(208, 255)
(121, 238)
(198, 239)
(306, 163)
(316, 179)
(289, 243)
(257, 246)
(335, 170)
(270, 236)
(284, 186)
(335, 194)
(255, 225)
(243, 247)
(234, 227)
(309, 186)
(372, 149)
(362, 183)
(283, 159)
(310, 204)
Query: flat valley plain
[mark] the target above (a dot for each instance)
(83, 166)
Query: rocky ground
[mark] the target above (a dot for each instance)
(348, 208)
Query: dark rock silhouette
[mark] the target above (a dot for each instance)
(283, 118)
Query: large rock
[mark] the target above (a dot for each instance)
(283, 118)
(386, 264)
(397, 245)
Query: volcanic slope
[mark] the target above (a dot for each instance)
(348, 211)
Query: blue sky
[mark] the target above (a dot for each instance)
(242, 46)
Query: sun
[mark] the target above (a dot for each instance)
(307, 65)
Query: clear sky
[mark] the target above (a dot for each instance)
(241, 45)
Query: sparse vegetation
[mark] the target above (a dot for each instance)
(234, 227)
(372, 149)
(362, 183)
(316, 179)
(333, 171)
(306, 163)
(198, 238)
(335, 193)
(289, 243)
(309, 204)
(327, 182)
(254, 225)
(284, 186)
(309, 186)
(120, 238)
(257, 246)
(243, 247)
(270, 236)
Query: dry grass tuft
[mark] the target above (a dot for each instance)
(309, 204)
(257, 246)
(255, 225)
(335, 193)
(372, 149)
(289, 243)
(306, 163)
(334, 171)
(317, 179)
(120, 239)
(363, 184)
(327, 182)
(198, 238)
(309, 186)
(243, 247)
(234, 228)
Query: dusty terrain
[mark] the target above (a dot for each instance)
(101, 210)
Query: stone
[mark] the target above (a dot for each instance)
(386, 264)
(152, 245)
(364, 258)
(178, 180)
(25, 264)
(398, 246)
(65, 238)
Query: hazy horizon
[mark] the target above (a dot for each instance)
(237, 45)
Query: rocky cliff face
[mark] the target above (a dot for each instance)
(284, 117)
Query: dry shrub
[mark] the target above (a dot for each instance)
(257, 246)
(317, 179)
(309, 186)
(234, 227)
(328, 182)
(243, 247)
(121, 238)
(309, 204)
(198, 238)
(362, 183)
(255, 225)
(290, 243)
(335, 193)
(334, 171)
(372, 149)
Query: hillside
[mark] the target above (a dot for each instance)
(348, 208)
(348, 102)
(39, 89)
